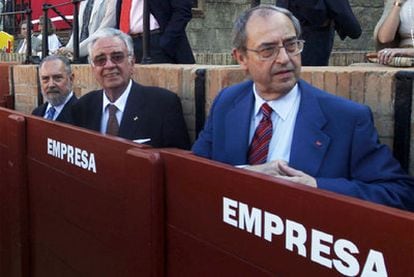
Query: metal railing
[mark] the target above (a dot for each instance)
(28, 13)
(146, 58)
(75, 26)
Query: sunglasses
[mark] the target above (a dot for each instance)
(116, 58)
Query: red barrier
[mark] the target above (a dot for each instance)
(13, 196)
(6, 100)
(224, 221)
(93, 201)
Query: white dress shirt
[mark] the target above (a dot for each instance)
(285, 110)
(136, 18)
(120, 103)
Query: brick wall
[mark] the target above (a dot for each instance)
(209, 31)
(373, 86)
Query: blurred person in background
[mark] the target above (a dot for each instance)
(319, 21)
(93, 16)
(53, 40)
(394, 32)
(22, 44)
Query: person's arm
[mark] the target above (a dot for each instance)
(346, 24)
(181, 15)
(103, 20)
(175, 132)
(389, 28)
(374, 175)
(107, 20)
(54, 43)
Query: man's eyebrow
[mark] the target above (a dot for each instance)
(290, 38)
(273, 43)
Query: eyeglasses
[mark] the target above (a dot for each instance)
(292, 47)
(116, 58)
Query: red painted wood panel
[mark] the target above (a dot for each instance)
(200, 242)
(93, 223)
(14, 253)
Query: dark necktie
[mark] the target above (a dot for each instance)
(112, 126)
(50, 113)
(85, 22)
(261, 139)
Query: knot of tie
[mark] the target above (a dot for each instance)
(266, 110)
(50, 113)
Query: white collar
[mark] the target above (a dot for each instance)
(281, 106)
(120, 103)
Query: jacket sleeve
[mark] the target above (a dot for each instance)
(176, 25)
(374, 174)
(346, 24)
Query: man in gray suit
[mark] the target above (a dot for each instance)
(93, 16)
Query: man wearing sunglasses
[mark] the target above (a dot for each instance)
(123, 107)
(280, 125)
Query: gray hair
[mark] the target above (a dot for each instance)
(111, 33)
(239, 29)
(63, 59)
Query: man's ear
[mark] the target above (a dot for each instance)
(240, 57)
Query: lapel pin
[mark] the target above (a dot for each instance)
(135, 118)
(318, 143)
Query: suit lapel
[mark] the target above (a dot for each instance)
(309, 143)
(238, 122)
(43, 109)
(95, 112)
(66, 113)
(133, 114)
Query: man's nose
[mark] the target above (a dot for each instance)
(282, 57)
(51, 82)
(109, 63)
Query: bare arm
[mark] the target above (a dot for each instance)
(389, 28)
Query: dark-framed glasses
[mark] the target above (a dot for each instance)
(292, 48)
(116, 58)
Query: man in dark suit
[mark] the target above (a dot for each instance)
(56, 79)
(124, 108)
(168, 21)
(319, 20)
(313, 138)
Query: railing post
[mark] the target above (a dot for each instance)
(146, 57)
(29, 58)
(45, 31)
(200, 100)
(76, 30)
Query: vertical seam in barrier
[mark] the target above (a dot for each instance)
(402, 117)
(200, 99)
(11, 85)
(39, 89)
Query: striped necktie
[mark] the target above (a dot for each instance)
(261, 139)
